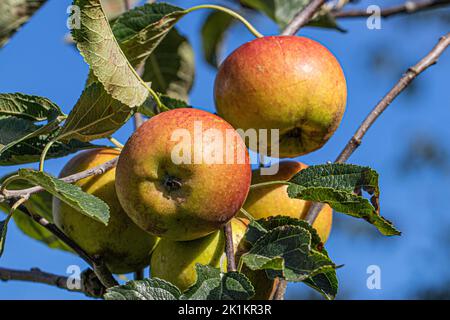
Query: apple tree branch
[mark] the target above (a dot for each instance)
(89, 285)
(406, 8)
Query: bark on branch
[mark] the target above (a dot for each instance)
(229, 247)
(406, 8)
(96, 263)
(303, 17)
(88, 285)
(430, 59)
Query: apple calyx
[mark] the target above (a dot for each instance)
(172, 183)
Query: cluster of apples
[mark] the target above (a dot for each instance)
(170, 215)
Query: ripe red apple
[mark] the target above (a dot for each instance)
(289, 83)
(273, 200)
(177, 177)
(123, 245)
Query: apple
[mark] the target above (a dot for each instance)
(183, 174)
(175, 261)
(273, 200)
(289, 83)
(123, 245)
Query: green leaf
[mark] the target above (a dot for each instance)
(283, 11)
(101, 51)
(262, 226)
(341, 186)
(19, 114)
(3, 229)
(96, 115)
(14, 131)
(28, 107)
(149, 109)
(70, 194)
(139, 31)
(325, 283)
(213, 285)
(38, 204)
(30, 150)
(170, 68)
(292, 244)
(15, 13)
(213, 33)
(147, 289)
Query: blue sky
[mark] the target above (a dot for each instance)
(37, 61)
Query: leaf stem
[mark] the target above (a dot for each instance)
(44, 154)
(232, 13)
(8, 181)
(159, 104)
(268, 183)
(14, 207)
(247, 214)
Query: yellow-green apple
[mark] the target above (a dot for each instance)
(175, 261)
(183, 174)
(122, 244)
(273, 200)
(293, 84)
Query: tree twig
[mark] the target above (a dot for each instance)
(88, 285)
(96, 263)
(406, 8)
(430, 59)
(280, 290)
(303, 17)
(38, 276)
(138, 120)
(139, 275)
(229, 248)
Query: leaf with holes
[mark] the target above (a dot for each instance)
(147, 289)
(72, 195)
(213, 285)
(341, 187)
